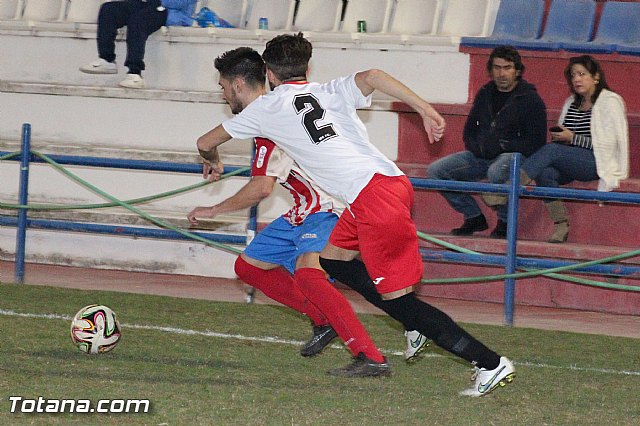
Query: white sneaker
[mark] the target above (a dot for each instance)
(488, 380)
(132, 81)
(416, 343)
(100, 66)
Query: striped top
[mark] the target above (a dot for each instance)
(308, 198)
(579, 122)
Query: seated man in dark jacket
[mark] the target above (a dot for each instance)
(507, 116)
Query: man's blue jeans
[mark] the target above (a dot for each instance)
(464, 166)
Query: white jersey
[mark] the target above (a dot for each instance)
(317, 125)
(308, 198)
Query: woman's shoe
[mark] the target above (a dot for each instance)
(560, 232)
(560, 221)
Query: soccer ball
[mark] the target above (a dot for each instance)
(95, 329)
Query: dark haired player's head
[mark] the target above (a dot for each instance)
(240, 69)
(287, 56)
(244, 63)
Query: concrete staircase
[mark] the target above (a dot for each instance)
(78, 114)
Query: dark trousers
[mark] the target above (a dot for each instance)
(141, 19)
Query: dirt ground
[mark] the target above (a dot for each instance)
(197, 287)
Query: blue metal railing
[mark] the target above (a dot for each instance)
(22, 222)
(23, 193)
(513, 190)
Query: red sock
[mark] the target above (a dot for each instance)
(280, 286)
(314, 284)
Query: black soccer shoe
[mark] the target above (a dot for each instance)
(363, 367)
(322, 336)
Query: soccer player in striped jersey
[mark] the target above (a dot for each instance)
(283, 259)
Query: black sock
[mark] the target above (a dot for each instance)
(354, 274)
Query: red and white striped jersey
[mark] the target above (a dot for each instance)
(308, 198)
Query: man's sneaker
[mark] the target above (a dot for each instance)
(322, 336)
(363, 367)
(488, 380)
(133, 81)
(474, 224)
(416, 344)
(500, 231)
(100, 66)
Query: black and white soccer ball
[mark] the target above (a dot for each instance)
(95, 329)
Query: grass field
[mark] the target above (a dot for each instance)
(212, 363)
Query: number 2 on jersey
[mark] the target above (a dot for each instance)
(308, 105)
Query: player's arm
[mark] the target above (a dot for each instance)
(208, 147)
(256, 190)
(371, 80)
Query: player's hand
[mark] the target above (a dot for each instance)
(212, 171)
(200, 212)
(434, 124)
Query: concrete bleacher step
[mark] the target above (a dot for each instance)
(590, 223)
(143, 120)
(539, 290)
(118, 216)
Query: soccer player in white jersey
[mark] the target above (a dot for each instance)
(317, 125)
(283, 259)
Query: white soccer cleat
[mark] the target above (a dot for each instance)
(100, 66)
(416, 344)
(488, 380)
(132, 81)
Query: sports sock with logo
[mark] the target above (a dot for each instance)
(280, 286)
(314, 284)
(442, 329)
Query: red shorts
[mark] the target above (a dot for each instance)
(378, 224)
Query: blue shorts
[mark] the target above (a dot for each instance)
(281, 243)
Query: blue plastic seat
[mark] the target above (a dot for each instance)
(628, 49)
(619, 30)
(569, 21)
(629, 42)
(517, 20)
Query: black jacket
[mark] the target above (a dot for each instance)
(520, 126)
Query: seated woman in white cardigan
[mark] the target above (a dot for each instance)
(591, 141)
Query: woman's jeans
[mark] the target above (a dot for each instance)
(556, 164)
